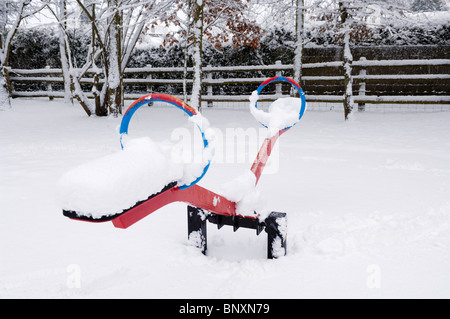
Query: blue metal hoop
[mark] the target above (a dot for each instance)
(173, 101)
(294, 84)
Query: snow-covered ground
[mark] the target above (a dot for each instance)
(368, 206)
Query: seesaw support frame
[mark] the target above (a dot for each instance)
(273, 225)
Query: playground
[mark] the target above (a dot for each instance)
(366, 201)
(146, 177)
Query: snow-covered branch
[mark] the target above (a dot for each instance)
(12, 13)
(116, 26)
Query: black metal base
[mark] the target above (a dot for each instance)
(275, 226)
(276, 229)
(197, 227)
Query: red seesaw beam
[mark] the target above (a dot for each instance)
(264, 154)
(196, 195)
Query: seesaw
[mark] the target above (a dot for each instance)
(89, 192)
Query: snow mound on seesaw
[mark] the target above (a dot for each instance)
(111, 184)
(282, 113)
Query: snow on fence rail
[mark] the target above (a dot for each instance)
(216, 78)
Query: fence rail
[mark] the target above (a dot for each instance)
(323, 82)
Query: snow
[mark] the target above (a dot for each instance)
(194, 169)
(111, 184)
(368, 211)
(283, 113)
(404, 99)
(244, 192)
(5, 103)
(114, 69)
(196, 239)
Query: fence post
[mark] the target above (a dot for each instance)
(362, 85)
(149, 77)
(49, 86)
(279, 87)
(210, 88)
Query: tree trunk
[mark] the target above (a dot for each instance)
(100, 108)
(81, 97)
(299, 46)
(5, 102)
(348, 79)
(186, 52)
(63, 53)
(115, 79)
(348, 60)
(196, 98)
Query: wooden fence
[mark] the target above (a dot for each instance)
(375, 82)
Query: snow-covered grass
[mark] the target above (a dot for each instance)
(367, 201)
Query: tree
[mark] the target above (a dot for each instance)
(197, 30)
(286, 15)
(355, 21)
(215, 21)
(348, 60)
(299, 39)
(12, 13)
(115, 27)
